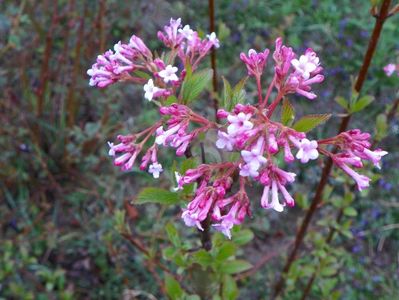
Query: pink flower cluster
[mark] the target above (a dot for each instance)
(248, 130)
(355, 147)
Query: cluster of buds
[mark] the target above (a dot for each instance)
(177, 135)
(389, 69)
(248, 129)
(354, 147)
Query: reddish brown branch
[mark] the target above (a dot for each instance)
(328, 165)
(211, 4)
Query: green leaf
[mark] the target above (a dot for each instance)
(238, 93)
(287, 112)
(193, 86)
(157, 195)
(328, 271)
(350, 212)
(235, 266)
(309, 122)
(243, 237)
(227, 93)
(223, 31)
(381, 127)
(141, 74)
(170, 100)
(173, 235)
(202, 257)
(173, 289)
(342, 102)
(230, 290)
(187, 164)
(227, 250)
(361, 103)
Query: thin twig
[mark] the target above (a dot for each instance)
(211, 4)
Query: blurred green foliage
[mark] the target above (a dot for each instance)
(64, 206)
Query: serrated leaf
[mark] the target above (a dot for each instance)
(238, 93)
(342, 102)
(362, 103)
(173, 289)
(157, 195)
(193, 86)
(350, 212)
(309, 122)
(243, 237)
(235, 266)
(287, 112)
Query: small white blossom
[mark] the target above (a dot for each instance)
(224, 141)
(155, 169)
(307, 150)
(305, 65)
(169, 74)
(187, 32)
(213, 39)
(239, 123)
(111, 151)
(150, 90)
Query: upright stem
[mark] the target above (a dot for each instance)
(211, 5)
(380, 19)
(259, 86)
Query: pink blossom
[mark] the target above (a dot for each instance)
(228, 221)
(170, 37)
(105, 71)
(255, 62)
(239, 123)
(390, 69)
(138, 44)
(225, 141)
(361, 180)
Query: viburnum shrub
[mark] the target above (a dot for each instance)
(261, 146)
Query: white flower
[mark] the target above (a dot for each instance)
(305, 65)
(155, 169)
(178, 177)
(307, 150)
(187, 32)
(213, 39)
(239, 123)
(248, 170)
(253, 158)
(111, 151)
(150, 90)
(169, 74)
(224, 141)
(265, 200)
